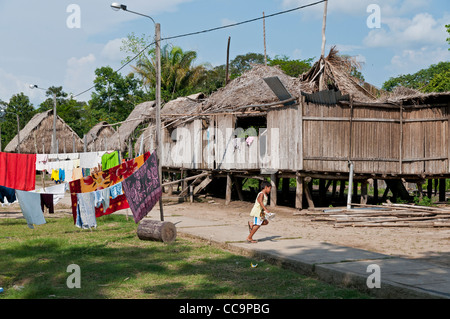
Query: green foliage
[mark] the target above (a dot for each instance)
(439, 83)
(292, 68)
(18, 104)
(448, 30)
(424, 201)
(419, 80)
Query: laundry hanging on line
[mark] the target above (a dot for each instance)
(105, 179)
(31, 210)
(18, 171)
(143, 189)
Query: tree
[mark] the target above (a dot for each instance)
(418, 80)
(291, 67)
(179, 75)
(439, 83)
(18, 104)
(242, 63)
(115, 96)
(448, 30)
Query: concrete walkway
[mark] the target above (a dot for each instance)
(398, 277)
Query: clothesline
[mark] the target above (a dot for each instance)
(103, 193)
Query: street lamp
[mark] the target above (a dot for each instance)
(117, 6)
(53, 146)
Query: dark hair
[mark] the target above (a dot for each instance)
(265, 184)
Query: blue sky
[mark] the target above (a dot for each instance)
(39, 47)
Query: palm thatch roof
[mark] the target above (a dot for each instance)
(36, 136)
(141, 114)
(334, 73)
(95, 138)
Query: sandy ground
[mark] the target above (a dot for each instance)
(431, 244)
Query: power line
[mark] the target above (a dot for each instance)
(210, 30)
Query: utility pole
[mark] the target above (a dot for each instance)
(264, 33)
(158, 108)
(322, 55)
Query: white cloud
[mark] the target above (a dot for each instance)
(411, 61)
(111, 50)
(80, 73)
(421, 30)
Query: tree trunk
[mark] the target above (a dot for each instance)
(156, 230)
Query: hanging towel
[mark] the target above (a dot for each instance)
(47, 201)
(30, 205)
(8, 193)
(62, 175)
(18, 171)
(110, 160)
(105, 179)
(86, 211)
(143, 189)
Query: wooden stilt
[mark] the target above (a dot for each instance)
(228, 190)
(298, 193)
(307, 190)
(273, 191)
(364, 192)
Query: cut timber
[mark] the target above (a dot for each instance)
(155, 230)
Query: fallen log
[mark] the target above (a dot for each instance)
(149, 229)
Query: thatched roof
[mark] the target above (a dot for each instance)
(334, 72)
(95, 136)
(250, 89)
(140, 114)
(407, 96)
(36, 136)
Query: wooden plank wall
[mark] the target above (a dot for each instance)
(322, 138)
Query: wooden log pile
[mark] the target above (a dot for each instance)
(386, 215)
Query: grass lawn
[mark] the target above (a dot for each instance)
(114, 263)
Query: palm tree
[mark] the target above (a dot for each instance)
(179, 76)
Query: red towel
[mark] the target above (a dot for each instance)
(18, 171)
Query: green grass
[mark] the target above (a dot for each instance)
(114, 263)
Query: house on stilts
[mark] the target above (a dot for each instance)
(265, 124)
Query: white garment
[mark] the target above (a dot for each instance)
(41, 162)
(58, 191)
(89, 160)
(30, 204)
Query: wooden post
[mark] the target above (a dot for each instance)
(238, 185)
(442, 190)
(364, 192)
(264, 35)
(375, 190)
(273, 191)
(307, 190)
(227, 76)
(430, 188)
(191, 193)
(228, 190)
(298, 192)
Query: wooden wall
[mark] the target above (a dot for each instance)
(320, 138)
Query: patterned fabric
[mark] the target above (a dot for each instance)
(143, 188)
(103, 180)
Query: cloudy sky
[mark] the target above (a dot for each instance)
(61, 43)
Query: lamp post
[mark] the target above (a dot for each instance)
(53, 146)
(117, 6)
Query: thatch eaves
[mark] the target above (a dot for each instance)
(95, 138)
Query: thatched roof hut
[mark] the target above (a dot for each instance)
(98, 136)
(140, 115)
(172, 113)
(36, 136)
